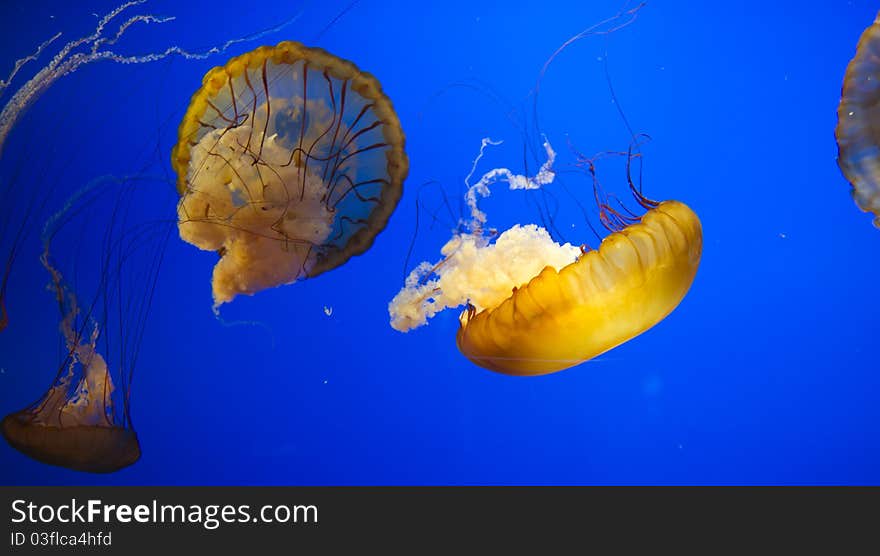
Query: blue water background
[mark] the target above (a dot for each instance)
(765, 374)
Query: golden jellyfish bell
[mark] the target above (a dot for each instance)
(858, 123)
(289, 161)
(610, 295)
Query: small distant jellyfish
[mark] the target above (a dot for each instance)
(289, 162)
(858, 123)
(533, 306)
(83, 421)
(76, 424)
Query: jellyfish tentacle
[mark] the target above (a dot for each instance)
(67, 61)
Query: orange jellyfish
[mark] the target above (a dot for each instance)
(858, 123)
(289, 162)
(83, 422)
(76, 424)
(534, 306)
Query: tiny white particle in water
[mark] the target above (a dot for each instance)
(782, 235)
(325, 382)
(328, 310)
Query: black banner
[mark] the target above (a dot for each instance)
(236, 520)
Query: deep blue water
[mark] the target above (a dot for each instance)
(765, 374)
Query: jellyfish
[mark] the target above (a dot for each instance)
(75, 423)
(858, 123)
(83, 421)
(534, 306)
(289, 162)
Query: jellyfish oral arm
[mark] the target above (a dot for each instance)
(475, 271)
(544, 176)
(478, 273)
(264, 218)
(69, 59)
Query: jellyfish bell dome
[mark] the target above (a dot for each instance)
(858, 123)
(91, 448)
(290, 161)
(564, 317)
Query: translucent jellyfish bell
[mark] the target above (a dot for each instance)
(858, 123)
(289, 161)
